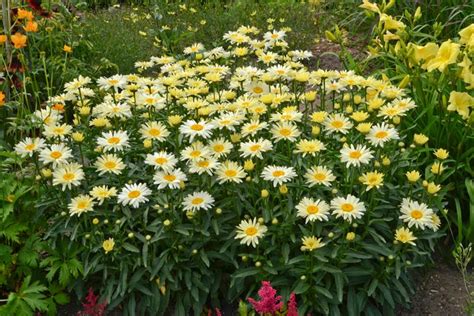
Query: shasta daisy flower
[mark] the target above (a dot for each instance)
(255, 148)
(355, 156)
(192, 129)
(220, 147)
(55, 130)
(311, 243)
(415, 213)
(68, 175)
(114, 140)
(372, 179)
(103, 192)
(81, 204)
(197, 201)
(154, 131)
(134, 194)
(196, 151)
(28, 146)
(309, 147)
(230, 171)
(348, 208)
(337, 123)
(380, 134)
(109, 163)
(161, 160)
(312, 210)
(207, 165)
(404, 235)
(285, 131)
(319, 175)
(278, 175)
(170, 178)
(57, 154)
(250, 231)
(253, 127)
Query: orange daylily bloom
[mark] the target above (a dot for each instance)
(31, 26)
(24, 14)
(2, 98)
(67, 49)
(19, 40)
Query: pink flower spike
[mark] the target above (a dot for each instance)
(269, 302)
(292, 306)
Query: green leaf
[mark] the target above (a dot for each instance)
(130, 247)
(339, 281)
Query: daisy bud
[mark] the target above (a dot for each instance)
(261, 220)
(147, 143)
(420, 139)
(106, 221)
(346, 97)
(245, 258)
(218, 211)
(441, 154)
(46, 172)
(350, 236)
(357, 99)
(194, 252)
(377, 164)
(337, 106)
(174, 120)
(63, 213)
(267, 98)
(258, 264)
(349, 109)
(38, 177)
(87, 236)
(264, 193)
(235, 138)
(147, 237)
(315, 130)
(275, 221)
(95, 221)
(118, 222)
(283, 189)
(78, 137)
(413, 176)
(190, 214)
(396, 120)
(331, 235)
(310, 96)
(248, 179)
(303, 277)
(249, 165)
(386, 161)
(166, 222)
(131, 235)
(334, 191)
(84, 110)
(381, 258)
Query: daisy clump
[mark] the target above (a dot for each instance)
(236, 164)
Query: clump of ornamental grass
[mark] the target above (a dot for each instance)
(234, 165)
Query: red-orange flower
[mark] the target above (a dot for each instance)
(24, 14)
(2, 98)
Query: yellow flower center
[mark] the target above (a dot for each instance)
(110, 164)
(257, 90)
(285, 132)
(255, 147)
(195, 153)
(319, 176)
(355, 154)
(218, 148)
(69, 176)
(251, 231)
(197, 127)
(416, 214)
(230, 173)
(56, 154)
(82, 205)
(278, 173)
(312, 209)
(169, 177)
(203, 164)
(134, 194)
(347, 207)
(154, 132)
(337, 124)
(58, 130)
(161, 160)
(381, 134)
(113, 140)
(197, 201)
(30, 147)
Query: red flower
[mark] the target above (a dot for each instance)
(91, 307)
(269, 302)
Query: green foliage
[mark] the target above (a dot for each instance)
(27, 300)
